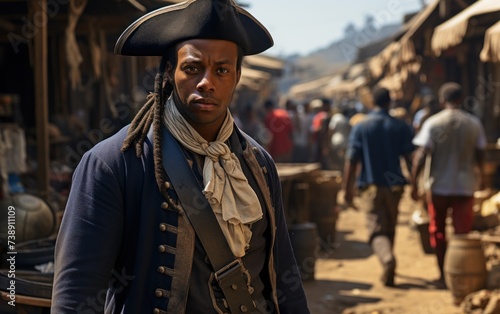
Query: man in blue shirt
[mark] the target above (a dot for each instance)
(376, 144)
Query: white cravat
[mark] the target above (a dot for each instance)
(232, 199)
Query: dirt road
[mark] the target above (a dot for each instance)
(347, 278)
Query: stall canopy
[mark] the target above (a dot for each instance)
(310, 89)
(397, 53)
(453, 31)
(416, 24)
(265, 63)
(491, 49)
(253, 79)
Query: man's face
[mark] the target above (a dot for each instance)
(204, 80)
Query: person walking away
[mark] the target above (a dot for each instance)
(451, 147)
(180, 212)
(376, 144)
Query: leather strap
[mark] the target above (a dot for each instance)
(228, 269)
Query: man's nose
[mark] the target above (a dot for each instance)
(206, 82)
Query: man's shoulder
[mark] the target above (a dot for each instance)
(112, 142)
(110, 148)
(437, 118)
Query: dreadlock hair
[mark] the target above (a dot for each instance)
(151, 114)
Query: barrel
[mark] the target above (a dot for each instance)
(32, 216)
(303, 238)
(324, 213)
(464, 266)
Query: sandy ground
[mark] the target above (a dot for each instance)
(346, 278)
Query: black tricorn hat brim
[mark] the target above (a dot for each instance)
(153, 33)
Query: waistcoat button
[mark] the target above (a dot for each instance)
(156, 311)
(163, 227)
(243, 308)
(158, 293)
(161, 270)
(162, 249)
(164, 205)
(168, 185)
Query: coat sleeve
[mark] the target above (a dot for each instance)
(89, 239)
(291, 296)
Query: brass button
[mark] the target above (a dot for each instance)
(244, 308)
(162, 248)
(168, 185)
(163, 227)
(158, 293)
(234, 286)
(164, 205)
(161, 270)
(156, 311)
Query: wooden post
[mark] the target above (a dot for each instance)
(41, 97)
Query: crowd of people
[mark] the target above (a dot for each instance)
(315, 131)
(440, 144)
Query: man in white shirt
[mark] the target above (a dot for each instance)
(451, 150)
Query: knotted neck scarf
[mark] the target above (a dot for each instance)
(226, 188)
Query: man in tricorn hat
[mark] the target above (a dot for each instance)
(180, 212)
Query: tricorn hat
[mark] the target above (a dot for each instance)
(154, 32)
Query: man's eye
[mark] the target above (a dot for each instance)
(223, 71)
(190, 69)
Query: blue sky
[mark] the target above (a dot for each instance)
(304, 26)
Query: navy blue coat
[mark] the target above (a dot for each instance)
(123, 248)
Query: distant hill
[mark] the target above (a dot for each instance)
(333, 58)
(327, 60)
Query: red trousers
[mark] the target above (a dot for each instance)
(461, 213)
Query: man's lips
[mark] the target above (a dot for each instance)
(204, 103)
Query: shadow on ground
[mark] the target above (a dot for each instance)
(342, 248)
(340, 295)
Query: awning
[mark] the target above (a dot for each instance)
(452, 32)
(407, 52)
(313, 87)
(378, 63)
(418, 20)
(254, 74)
(345, 87)
(402, 51)
(263, 61)
(401, 82)
(253, 79)
(491, 48)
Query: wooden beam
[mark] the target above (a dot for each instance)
(41, 97)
